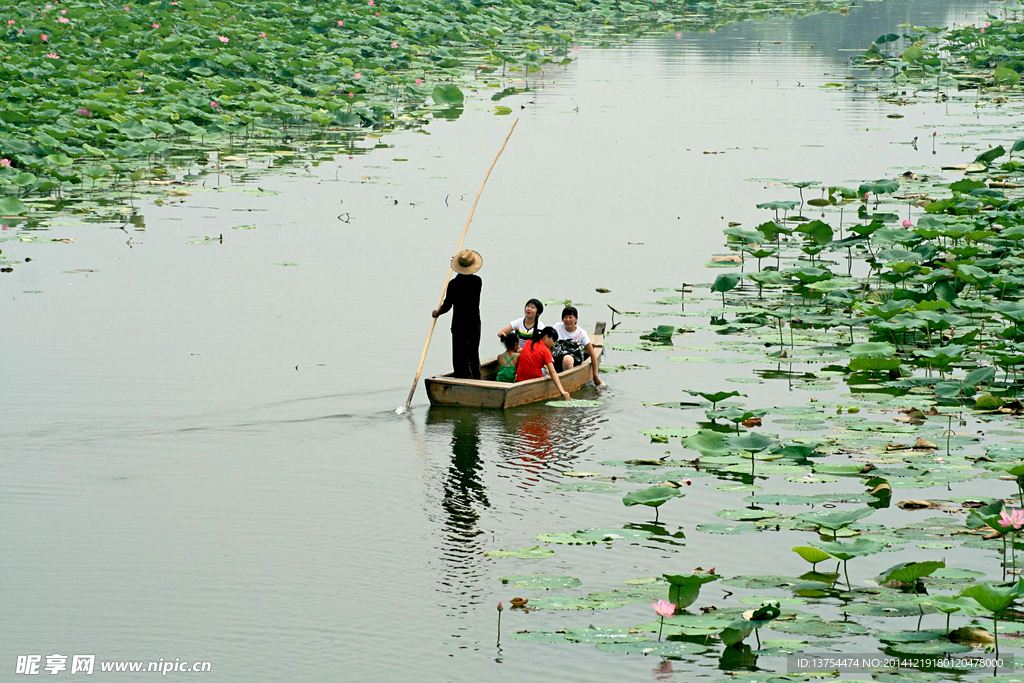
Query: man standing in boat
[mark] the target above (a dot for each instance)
(463, 294)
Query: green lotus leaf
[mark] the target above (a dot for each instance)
(652, 496)
(541, 581)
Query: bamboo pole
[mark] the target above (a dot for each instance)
(433, 322)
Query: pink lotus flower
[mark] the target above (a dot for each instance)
(394, 44)
(907, 224)
(376, 14)
(52, 55)
(127, 8)
(575, 48)
(82, 111)
(369, 2)
(664, 608)
(340, 22)
(10, 22)
(20, 31)
(155, 25)
(1014, 519)
(419, 81)
(982, 30)
(351, 95)
(4, 227)
(63, 11)
(679, 35)
(224, 39)
(500, 607)
(64, 20)
(711, 30)
(263, 35)
(44, 37)
(934, 133)
(139, 90)
(357, 75)
(214, 105)
(5, 162)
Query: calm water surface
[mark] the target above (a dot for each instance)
(200, 454)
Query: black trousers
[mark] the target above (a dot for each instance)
(466, 352)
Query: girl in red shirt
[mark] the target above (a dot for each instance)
(536, 354)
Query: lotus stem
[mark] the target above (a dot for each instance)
(920, 608)
(848, 586)
(757, 634)
(995, 634)
(947, 623)
(661, 625)
(1004, 557)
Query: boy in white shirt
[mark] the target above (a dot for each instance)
(573, 342)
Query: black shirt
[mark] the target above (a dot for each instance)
(464, 294)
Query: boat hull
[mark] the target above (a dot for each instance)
(447, 390)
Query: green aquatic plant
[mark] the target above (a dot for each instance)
(751, 620)
(812, 555)
(834, 521)
(684, 588)
(995, 599)
(713, 396)
(844, 552)
(653, 496)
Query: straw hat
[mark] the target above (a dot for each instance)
(467, 262)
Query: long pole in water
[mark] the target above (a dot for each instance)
(433, 322)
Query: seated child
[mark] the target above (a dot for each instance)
(508, 361)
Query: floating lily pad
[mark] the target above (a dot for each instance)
(672, 648)
(724, 528)
(587, 487)
(571, 603)
(746, 514)
(539, 636)
(593, 634)
(931, 647)
(541, 581)
(534, 553)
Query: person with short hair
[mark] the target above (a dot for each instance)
(463, 294)
(573, 342)
(535, 357)
(528, 325)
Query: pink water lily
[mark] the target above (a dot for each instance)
(82, 111)
(419, 81)
(11, 22)
(907, 224)
(64, 20)
(376, 14)
(369, 2)
(5, 162)
(394, 44)
(224, 39)
(664, 608)
(45, 38)
(263, 35)
(357, 75)
(52, 55)
(155, 25)
(214, 105)
(1014, 519)
(127, 8)
(341, 22)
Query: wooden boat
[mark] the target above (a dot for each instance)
(447, 390)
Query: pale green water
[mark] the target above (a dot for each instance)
(200, 456)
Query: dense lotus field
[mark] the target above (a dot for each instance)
(896, 305)
(104, 93)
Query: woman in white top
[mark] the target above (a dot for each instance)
(573, 342)
(526, 326)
